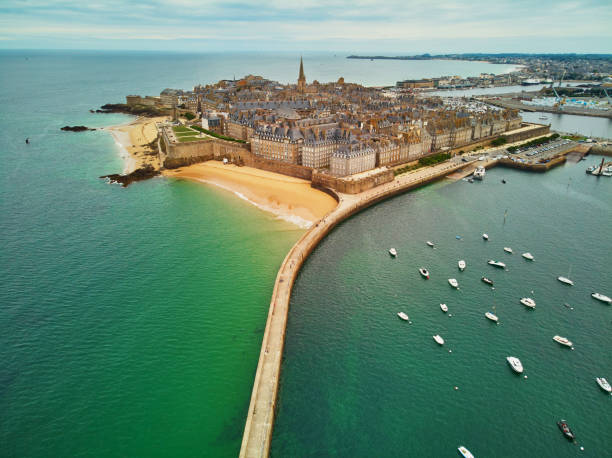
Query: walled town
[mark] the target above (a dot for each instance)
(339, 135)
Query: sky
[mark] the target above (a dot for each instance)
(359, 26)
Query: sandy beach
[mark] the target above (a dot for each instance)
(133, 139)
(291, 199)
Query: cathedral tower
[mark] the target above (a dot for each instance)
(301, 83)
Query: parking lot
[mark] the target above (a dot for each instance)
(543, 153)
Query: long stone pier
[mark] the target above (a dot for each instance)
(260, 417)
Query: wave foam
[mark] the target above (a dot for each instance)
(290, 218)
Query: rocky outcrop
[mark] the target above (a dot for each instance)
(139, 110)
(143, 173)
(76, 128)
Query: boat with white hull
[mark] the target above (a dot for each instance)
(601, 297)
(515, 364)
(453, 282)
(563, 341)
(485, 236)
(528, 302)
(528, 256)
(431, 244)
(492, 317)
(507, 249)
(603, 384)
(565, 280)
(438, 339)
(403, 316)
(496, 263)
(424, 272)
(480, 172)
(461, 265)
(444, 308)
(393, 252)
(465, 453)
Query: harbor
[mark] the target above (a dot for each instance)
(260, 418)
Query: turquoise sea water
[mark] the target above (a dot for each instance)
(130, 319)
(357, 381)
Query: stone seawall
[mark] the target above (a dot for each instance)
(352, 186)
(260, 417)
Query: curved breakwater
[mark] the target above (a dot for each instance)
(260, 417)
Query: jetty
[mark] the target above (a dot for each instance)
(260, 416)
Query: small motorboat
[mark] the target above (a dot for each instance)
(431, 244)
(492, 316)
(424, 272)
(603, 384)
(496, 263)
(528, 302)
(563, 341)
(528, 256)
(458, 237)
(465, 453)
(485, 236)
(601, 297)
(515, 364)
(507, 249)
(403, 316)
(565, 280)
(461, 265)
(567, 432)
(503, 181)
(590, 169)
(393, 252)
(487, 281)
(453, 282)
(438, 339)
(444, 308)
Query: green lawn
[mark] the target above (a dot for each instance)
(188, 139)
(181, 129)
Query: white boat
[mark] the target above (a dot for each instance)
(393, 252)
(565, 280)
(528, 256)
(480, 171)
(515, 364)
(424, 272)
(438, 339)
(507, 249)
(485, 236)
(563, 341)
(601, 297)
(461, 264)
(465, 453)
(603, 383)
(431, 244)
(403, 316)
(444, 308)
(453, 282)
(528, 302)
(496, 263)
(492, 316)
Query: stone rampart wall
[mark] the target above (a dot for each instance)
(351, 186)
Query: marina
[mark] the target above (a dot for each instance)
(516, 335)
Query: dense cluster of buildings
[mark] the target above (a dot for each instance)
(339, 128)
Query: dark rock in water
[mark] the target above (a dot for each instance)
(138, 110)
(76, 128)
(137, 175)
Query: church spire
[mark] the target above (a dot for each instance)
(301, 83)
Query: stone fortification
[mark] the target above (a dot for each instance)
(352, 185)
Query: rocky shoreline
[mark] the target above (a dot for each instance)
(138, 110)
(143, 173)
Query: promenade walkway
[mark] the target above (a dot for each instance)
(260, 417)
